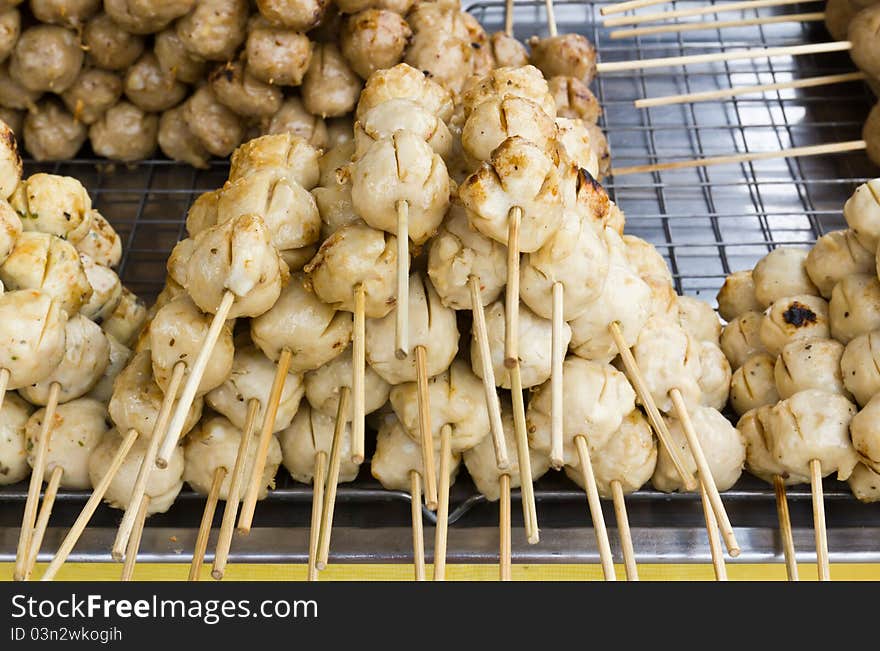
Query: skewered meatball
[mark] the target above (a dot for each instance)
(46, 58)
(323, 386)
(797, 317)
(575, 145)
(373, 39)
(854, 308)
(109, 46)
(574, 99)
(51, 133)
(32, 336)
(333, 194)
(865, 484)
(219, 129)
(699, 319)
(397, 455)
(92, 93)
(759, 460)
(753, 384)
(10, 29)
(10, 229)
(286, 151)
(446, 58)
(127, 319)
(119, 356)
(13, 447)
(277, 55)
(836, 256)
(405, 82)
(811, 425)
(312, 432)
(503, 83)
(715, 375)
(293, 118)
(300, 15)
(179, 143)
(77, 428)
(125, 133)
(240, 91)
(163, 484)
(68, 13)
(146, 16)
(569, 55)
(507, 51)
(106, 290)
(663, 302)
(840, 13)
(669, 358)
(389, 117)
(214, 29)
(862, 211)
(10, 161)
(869, 132)
(202, 214)
(214, 444)
(862, 33)
(782, 273)
(152, 88)
(737, 296)
(860, 367)
(493, 121)
(813, 364)
(58, 205)
(741, 338)
(175, 60)
(13, 95)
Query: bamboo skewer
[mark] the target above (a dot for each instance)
(318, 481)
(714, 541)
(791, 568)
(43, 519)
(595, 508)
(508, 18)
(227, 524)
(401, 343)
(442, 528)
(511, 299)
(620, 7)
(134, 541)
(29, 517)
(817, 16)
(626, 543)
(195, 568)
(425, 435)
(697, 11)
(530, 513)
(415, 490)
(551, 17)
(738, 55)
(90, 507)
(329, 502)
(4, 383)
(793, 152)
(504, 562)
(822, 563)
(359, 367)
(736, 91)
(557, 356)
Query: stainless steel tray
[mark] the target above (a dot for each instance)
(707, 222)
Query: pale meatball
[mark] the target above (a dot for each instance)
(330, 87)
(790, 319)
(356, 255)
(865, 431)
(753, 384)
(737, 296)
(430, 325)
(663, 305)
(496, 120)
(106, 290)
(398, 168)
(629, 457)
(458, 252)
(278, 55)
(526, 83)
(175, 60)
(127, 319)
(721, 443)
(163, 485)
(759, 460)
(860, 367)
(862, 213)
(118, 358)
(293, 118)
(482, 464)
(10, 30)
(77, 428)
(219, 129)
(333, 193)
(10, 229)
(575, 145)
(405, 82)
(741, 338)
(669, 358)
(384, 120)
(13, 440)
(214, 444)
(397, 455)
(53, 204)
(46, 58)
(32, 336)
(177, 334)
(715, 375)
(125, 133)
(311, 432)
(214, 29)
(179, 143)
(373, 39)
(48, 263)
(202, 215)
(152, 88)
(865, 484)
(520, 175)
(811, 425)
(288, 152)
(597, 397)
(782, 273)
(446, 58)
(236, 256)
(644, 258)
(13, 95)
(574, 99)
(324, 384)
(92, 93)
(51, 133)
(109, 46)
(854, 308)
(243, 93)
(813, 364)
(10, 161)
(836, 256)
(568, 55)
(508, 51)
(301, 15)
(699, 319)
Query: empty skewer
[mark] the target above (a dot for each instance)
(696, 11)
(201, 545)
(703, 25)
(629, 5)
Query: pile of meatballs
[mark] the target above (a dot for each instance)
(803, 336)
(196, 78)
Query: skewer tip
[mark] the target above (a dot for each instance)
(734, 551)
(510, 362)
(431, 505)
(357, 459)
(557, 463)
(320, 565)
(217, 575)
(117, 556)
(690, 484)
(243, 530)
(161, 464)
(534, 539)
(400, 353)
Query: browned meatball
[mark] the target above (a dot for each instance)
(353, 6)
(568, 55)
(10, 28)
(599, 144)
(330, 88)
(175, 60)
(871, 134)
(94, 91)
(146, 16)
(277, 55)
(574, 100)
(294, 118)
(51, 133)
(445, 58)
(68, 13)
(300, 15)
(178, 143)
(12, 94)
(863, 30)
(109, 46)
(149, 87)
(46, 58)
(14, 120)
(125, 133)
(218, 129)
(374, 39)
(508, 51)
(237, 89)
(214, 29)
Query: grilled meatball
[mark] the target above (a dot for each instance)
(279, 55)
(14, 121)
(575, 144)
(106, 290)
(179, 143)
(835, 256)
(737, 296)
(507, 51)
(397, 455)
(854, 308)
(401, 114)
(669, 358)
(175, 60)
(94, 91)
(860, 367)
(15, 96)
(46, 58)
(373, 39)
(312, 432)
(759, 460)
(330, 87)
(865, 484)
(741, 338)
(152, 88)
(333, 193)
(10, 29)
(214, 29)
(13, 440)
(67, 13)
(812, 364)
(125, 133)
(10, 229)
(127, 319)
(118, 358)
(862, 211)
(699, 319)
(797, 317)
(446, 58)
(51, 133)
(494, 121)
(286, 151)
(109, 46)
(323, 386)
(300, 15)
(405, 82)
(32, 336)
(101, 243)
(503, 83)
(293, 118)
(202, 214)
(146, 16)
(715, 375)
(243, 93)
(58, 205)
(840, 13)
(862, 33)
(753, 384)
(218, 129)
(574, 99)
(782, 273)
(567, 55)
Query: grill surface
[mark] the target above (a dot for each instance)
(706, 221)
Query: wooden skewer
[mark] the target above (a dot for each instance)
(442, 528)
(425, 434)
(318, 480)
(508, 18)
(620, 7)
(504, 528)
(36, 482)
(511, 303)
(748, 90)
(332, 480)
(359, 366)
(90, 507)
(664, 16)
(254, 486)
(415, 490)
(147, 464)
(595, 508)
(656, 420)
(530, 512)
(819, 520)
(702, 25)
(197, 371)
(227, 525)
(793, 152)
(493, 405)
(557, 356)
(401, 343)
(704, 472)
(43, 519)
(551, 17)
(4, 383)
(714, 541)
(757, 53)
(195, 568)
(134, 541)
(785, 532)
(626, 543)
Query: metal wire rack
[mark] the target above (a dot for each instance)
(706, 221)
